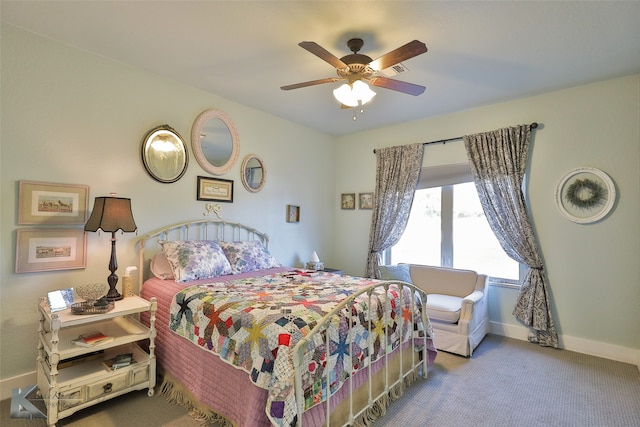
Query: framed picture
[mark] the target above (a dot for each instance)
(215, 189)
(585, 195)
(47, 203)
(50, 249)
(348, 200)
(365, 200)
(293, 213)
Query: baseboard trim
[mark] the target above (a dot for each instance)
(579, 345)
(19, 381)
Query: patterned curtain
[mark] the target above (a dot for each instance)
(498, 160)
(397, 172)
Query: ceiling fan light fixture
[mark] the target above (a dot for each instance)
(352, 95)
(362, 91)
(344, 95)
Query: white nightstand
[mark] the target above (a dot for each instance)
(71, 377)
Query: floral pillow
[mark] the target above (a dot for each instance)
(248, 256)
(195, 259)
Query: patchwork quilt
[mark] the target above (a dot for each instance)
(255, 323)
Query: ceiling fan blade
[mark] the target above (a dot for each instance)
(322, 53)
(400, 86)
(310, 83)
(408, 51)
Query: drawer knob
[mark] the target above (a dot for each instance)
(107, 387)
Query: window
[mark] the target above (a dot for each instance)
(447, 227)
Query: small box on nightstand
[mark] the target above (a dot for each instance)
(317, 266)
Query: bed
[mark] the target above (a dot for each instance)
(257, 344)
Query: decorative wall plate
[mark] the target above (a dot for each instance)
(585, 195)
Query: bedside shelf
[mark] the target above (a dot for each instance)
(72, 377)
(122, 330)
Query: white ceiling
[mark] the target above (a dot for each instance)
(479, 52)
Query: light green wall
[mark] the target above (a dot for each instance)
(72, 117)
(594, 269)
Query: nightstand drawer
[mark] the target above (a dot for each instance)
(70, 398)
(106, 386)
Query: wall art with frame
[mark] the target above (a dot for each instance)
(293, 213)
(365, 200)
(48, 249)
(348, 200)
(44, 203)
(585, 195)
(215, 189)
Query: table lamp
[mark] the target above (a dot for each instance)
(111, 214)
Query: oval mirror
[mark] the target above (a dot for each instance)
(215, 142)
(253, 173)
(164, 154)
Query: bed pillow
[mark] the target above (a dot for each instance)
(248, 256)
(396, 272)
(160, 267)
(195, 259)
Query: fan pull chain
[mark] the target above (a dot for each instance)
(361, 111)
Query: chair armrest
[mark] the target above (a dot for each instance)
(474, 307)
(473, 297)
(478, 297)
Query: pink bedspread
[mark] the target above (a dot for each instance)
(225, 389)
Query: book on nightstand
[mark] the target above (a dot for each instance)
(120, 361)
(92, 339)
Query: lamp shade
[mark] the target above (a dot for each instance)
(111, 214)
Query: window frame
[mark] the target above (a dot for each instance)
(446, 177)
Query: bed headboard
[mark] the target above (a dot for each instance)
(203, 229)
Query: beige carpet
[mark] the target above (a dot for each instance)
(506, 383)
(514, 383)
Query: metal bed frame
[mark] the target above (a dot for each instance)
(212, 229)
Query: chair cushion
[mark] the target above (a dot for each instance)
(395, 272)
(444, 308)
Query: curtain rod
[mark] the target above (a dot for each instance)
(534, 125)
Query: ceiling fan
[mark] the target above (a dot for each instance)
(356, 67)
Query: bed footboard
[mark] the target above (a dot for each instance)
(338, 326)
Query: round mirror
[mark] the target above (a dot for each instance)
(215, 142)
(253, 173)
(164, 154)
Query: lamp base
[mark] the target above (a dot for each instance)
(113, 295)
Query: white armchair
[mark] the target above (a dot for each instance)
(456, 303)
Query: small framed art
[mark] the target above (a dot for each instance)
(365, 200)
(46, 203)
(293, 213)
(348, 200)
(215, 189)
(49, 249)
